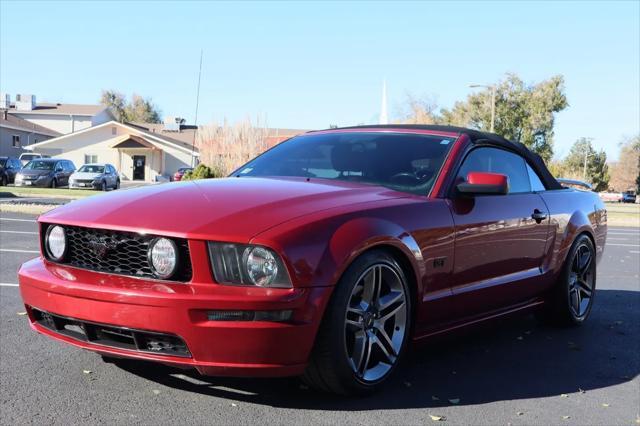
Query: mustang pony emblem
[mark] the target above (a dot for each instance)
(101, 246)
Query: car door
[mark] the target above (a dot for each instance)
(500, 240)
(113, 178)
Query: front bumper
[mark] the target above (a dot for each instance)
(229, 348)
(42, 183)
(84, 185)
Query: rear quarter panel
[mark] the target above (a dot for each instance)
(573, 212)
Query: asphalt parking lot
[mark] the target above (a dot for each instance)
(513, 372)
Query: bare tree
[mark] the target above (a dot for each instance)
(227, 146)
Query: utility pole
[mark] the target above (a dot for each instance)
(491, 87)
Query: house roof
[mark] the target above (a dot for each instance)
(63, 109)
(183, 137)
(17, 123)
(150, 135)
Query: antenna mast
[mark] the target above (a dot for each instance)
(195, 121)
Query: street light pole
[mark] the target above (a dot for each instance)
(491, 87)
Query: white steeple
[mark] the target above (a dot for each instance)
(383, 107)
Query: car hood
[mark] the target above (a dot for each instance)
(30, 172)
(231, 209)
(85, 175)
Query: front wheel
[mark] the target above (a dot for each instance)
(365, 328)
(571, 299)
(54, 183)
(103, 186)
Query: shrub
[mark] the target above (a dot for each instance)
(202, 171)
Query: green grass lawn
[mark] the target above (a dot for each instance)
(620, 214)
(47, 192)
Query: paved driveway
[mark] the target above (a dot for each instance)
(513, 372)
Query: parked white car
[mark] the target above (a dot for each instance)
(95, 176)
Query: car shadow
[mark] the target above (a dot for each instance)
(515, 358)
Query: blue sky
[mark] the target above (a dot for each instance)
(309, 65)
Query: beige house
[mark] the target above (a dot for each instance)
(139, 152)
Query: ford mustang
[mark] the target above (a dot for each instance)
(326, 257)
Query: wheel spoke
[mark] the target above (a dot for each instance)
(389, 299)
(354, 325)
(391, 313)
(364, 362)
(385, 340)
(575, 300)
(359, 348)
(391, 358)
(584, 262)
(584, 287)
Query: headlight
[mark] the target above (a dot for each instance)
(248, 265)
(56, 242)
(163, 257)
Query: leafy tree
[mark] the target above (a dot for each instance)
(139, 109)
(625, 173)
(116, 102)
(524, 113)
(597, 171)
(142, 110)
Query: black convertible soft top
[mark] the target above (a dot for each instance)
(480, 138)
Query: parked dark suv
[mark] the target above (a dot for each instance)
(9, 166)
(45, 172)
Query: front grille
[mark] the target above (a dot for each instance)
(126, 252)
(113, 336)
(84, 180)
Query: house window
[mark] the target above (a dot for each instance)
(15, 140)
(114, 131)
(88, 159)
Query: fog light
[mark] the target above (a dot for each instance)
(271, 316)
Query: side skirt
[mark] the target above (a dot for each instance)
(449, 327)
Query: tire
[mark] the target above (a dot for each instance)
(4, 181)
(352, 328)
(54, 183)
(117, 185)
(571, 299)
(103, 186)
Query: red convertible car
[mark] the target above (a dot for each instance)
(325, 257)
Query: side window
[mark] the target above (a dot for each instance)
(534, 179)
(496, 160)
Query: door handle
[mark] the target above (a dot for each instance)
(538, 216)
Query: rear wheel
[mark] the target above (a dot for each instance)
(365, 328)
(3, 181)
(117, 184)
(571, 300)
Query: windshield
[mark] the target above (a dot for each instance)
(3, 161)
(91, 169)
(39, 165)
(404, 162)
(29, 156)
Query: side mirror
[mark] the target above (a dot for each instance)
(479, 183)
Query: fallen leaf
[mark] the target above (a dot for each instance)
(87, 371)
(156, 391)
(520, 413)
(437, 418)
(455, 401)
(605, 405)
(564, 395)
(233, 404)
(22, 313)
(581, 390)
(566, 417)
(434, 398)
